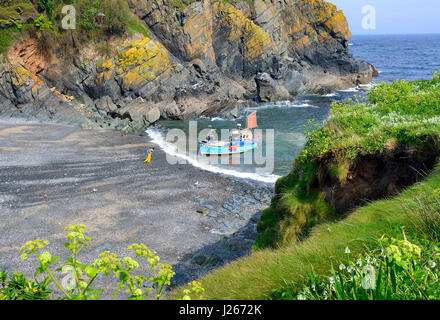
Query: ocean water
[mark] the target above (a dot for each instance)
(409, 57)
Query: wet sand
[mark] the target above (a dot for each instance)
(53, 175)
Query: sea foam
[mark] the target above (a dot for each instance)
(158, 138)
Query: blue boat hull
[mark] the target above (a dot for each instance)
(237, 148)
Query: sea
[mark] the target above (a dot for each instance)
(283, 124)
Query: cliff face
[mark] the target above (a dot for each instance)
(204, 57)
(300, 43)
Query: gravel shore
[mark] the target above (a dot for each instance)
(52, 175)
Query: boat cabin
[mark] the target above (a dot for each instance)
(241, 135)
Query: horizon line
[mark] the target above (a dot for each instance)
(396, 34)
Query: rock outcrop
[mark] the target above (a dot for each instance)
(23, 94)
(268, 89)
(201, 57)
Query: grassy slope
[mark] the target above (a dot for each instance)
(255, 276)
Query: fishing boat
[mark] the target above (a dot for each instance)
(240, 140)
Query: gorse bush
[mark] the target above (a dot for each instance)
(78, 283)
(42, 23)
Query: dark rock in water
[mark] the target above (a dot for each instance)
(228, 111)
(223, 230)
(269, 89)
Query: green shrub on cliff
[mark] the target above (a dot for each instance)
(48, 17)
(405, 112)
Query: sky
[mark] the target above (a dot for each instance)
(392, 16)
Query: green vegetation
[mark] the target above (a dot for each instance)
(397, 269)
(47, 19)
(11, 8)
(7, 37)
(400, 114)
(17, 287)
(80, 277)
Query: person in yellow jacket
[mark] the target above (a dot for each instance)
(149, 153)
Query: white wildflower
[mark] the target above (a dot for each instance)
(369, 279)
(301, 297)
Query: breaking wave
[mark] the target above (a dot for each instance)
(158, 138)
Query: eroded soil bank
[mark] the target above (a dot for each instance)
(53, 175)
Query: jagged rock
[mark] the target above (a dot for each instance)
(106, 104)
(269, 89)
(25, 95)
(139, 110)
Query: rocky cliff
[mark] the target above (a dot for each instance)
(199, 58)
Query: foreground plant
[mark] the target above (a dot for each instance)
(17, 287)
(398, 271)
(78, 283)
